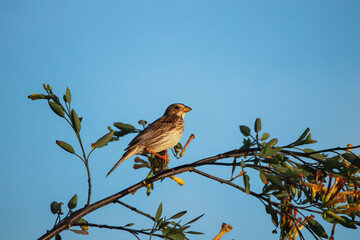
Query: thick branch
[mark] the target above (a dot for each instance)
(71, 220)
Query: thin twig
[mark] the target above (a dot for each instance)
(135, 210)
(118, 228)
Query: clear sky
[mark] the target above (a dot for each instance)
(295, 64)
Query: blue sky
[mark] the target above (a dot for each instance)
(295, 64)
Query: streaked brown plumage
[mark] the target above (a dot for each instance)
(160, 135)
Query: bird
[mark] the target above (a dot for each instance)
(164, 133)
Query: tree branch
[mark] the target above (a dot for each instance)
(75, 216)
(133, 231)
(136, 210)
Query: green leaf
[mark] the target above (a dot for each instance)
(129, 224)
(158, 223)
(352, 158)
(175, 235)
(120, 133)
(54, 207)
(315, 155)
(81, 220)
(57, 237)
(158, 212)
(178, 215)
(194, 232)
(246, 179)
(245, 130)
(348, 223)
(75, 121)
(317, 228)
(233, 167)
(178, 145)
(56, 108)
(304, 134)
(79, 231)
(73, 202)
(68, 95)
(242, 164)
(275, 180)
(333, 163)
(195, 219)
(272, 142)
(67, 147)
(264, 136)
(125, 127)
(263, 177)
(104, 140)
(281, 194)
(273, 214)
(258, 125)
(269, 150)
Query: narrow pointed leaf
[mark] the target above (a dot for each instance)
(79, 231)
(246, 179)
(56, 108)
(129, 224)
(104, 140)
(233, 167)
(75, 121)
(195, 219)
(263, 178)
(273, 214)
(68, 95)
(67, 147)
(125, 127)
(158, 212)
(194, 232)
(178, 215)
(304, 134)
(352, 158)
(317, 228)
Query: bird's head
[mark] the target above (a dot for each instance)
(178, 109)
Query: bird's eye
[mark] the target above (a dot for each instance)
(176, 107)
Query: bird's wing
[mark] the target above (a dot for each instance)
(155, 130)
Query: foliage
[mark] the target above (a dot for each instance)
(300, 184)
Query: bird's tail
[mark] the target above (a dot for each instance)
(129, 153)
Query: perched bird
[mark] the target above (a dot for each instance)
(160, 135)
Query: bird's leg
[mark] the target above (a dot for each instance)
(156, 154)
(192, 136)
(163, 161)
(162, 157)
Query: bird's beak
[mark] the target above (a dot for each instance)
(187, 109)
